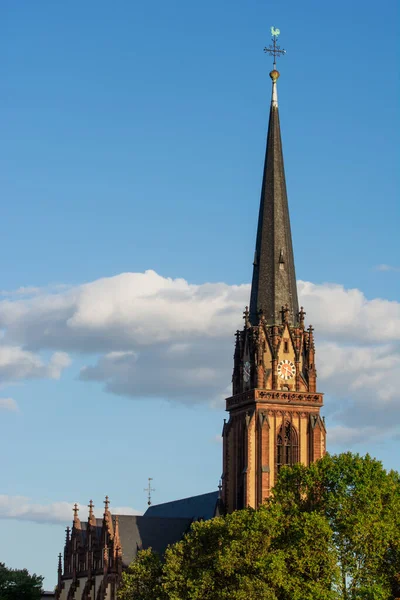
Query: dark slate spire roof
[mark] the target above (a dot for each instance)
(274, 278)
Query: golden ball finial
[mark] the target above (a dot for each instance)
(274, 75)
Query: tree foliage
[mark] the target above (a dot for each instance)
(361, 503)
(142, 580)
(16, 584)
(329, 532)
(248, 555)
(252, 554)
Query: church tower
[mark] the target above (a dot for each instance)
(274, 410)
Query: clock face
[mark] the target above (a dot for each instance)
(246, 371)
(286, 369)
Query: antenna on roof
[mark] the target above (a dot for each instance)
(149, 489)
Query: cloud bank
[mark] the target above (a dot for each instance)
(23, 509)
(146, 335)
(8, 404)
(384, 267)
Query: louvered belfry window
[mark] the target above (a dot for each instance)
(287, 446)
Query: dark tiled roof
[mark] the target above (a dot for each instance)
(196, 507)
(137, 533)
(274, 278)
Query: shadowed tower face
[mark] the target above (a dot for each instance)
(274, 410)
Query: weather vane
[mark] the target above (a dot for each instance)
(274, 50)
(149, 489)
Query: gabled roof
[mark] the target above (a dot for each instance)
(203, 506)
(139, 532)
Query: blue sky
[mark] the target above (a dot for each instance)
(133, 140)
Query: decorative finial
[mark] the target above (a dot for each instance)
(106, 503)
(149, 489)
(274, 50)
(285, 311)
(76, 524)
(91, 518)
(301, 316)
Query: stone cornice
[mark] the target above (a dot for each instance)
(260, 396)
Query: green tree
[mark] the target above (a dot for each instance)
(249, 555)
(329, 532)
(142, 580)
(252, 555)
(16, 584)
(361, 502)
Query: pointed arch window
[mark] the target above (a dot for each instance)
(287, 446)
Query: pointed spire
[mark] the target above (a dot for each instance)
(76, 522)
(59, 572)
(274, 278)
(311, 343)
(92, 518)
(117, 540)
(108, 517)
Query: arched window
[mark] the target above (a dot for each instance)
(287, 446)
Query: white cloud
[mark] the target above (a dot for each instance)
(17, 363)
(197, 375)
(118, 312)
(8, 404)
(384, 267)
(162, 337)
(340, 435)
(22, 508)
(347, 315)
(360, 368)
(124, 510)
